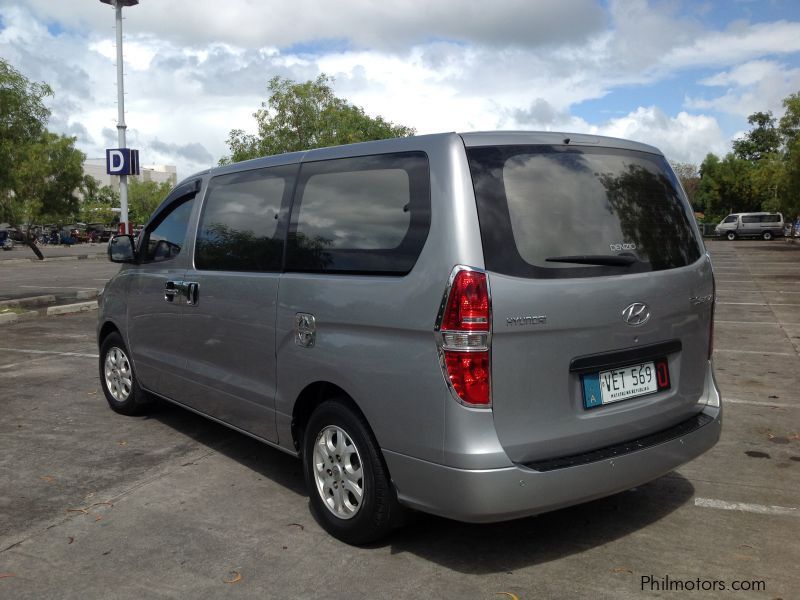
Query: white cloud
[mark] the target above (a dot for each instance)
(642, 34)
(758, 85)
(684, 138)
(137, 54)
(740, 42)
(364, 23)
(194, 71)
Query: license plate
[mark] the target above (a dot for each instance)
(614, 385)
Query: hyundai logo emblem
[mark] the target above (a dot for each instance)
(636, 314)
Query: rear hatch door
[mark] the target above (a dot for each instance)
(601, 296)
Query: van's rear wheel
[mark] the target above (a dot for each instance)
(118, 380)
(767, 236)
(348, 485)
(731, 236)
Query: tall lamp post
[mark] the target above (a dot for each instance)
(121, 161)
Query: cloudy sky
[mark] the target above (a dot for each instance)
(682, 76)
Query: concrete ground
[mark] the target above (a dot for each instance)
(96, 505)
(61, 278)
(21, 251)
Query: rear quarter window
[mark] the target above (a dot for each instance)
(368, 214)
(540, 203)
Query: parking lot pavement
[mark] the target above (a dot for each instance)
(22, 252)
(63, 279)
(96, 505)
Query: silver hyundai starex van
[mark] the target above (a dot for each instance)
(482, 326)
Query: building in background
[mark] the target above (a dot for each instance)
(96, 167)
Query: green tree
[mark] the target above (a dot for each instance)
(300, 116)
(708, 188)
(44, 183)
(768, 182)
(23, 118)
(789, 125)
(763, 139)
(762, 172)
(727, 186)
(98, 202)
(144, 197)
(39, 171)
(789, 128)
(791, 196)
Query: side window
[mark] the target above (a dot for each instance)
(751, 219)
(239, 229)
(164, 241)
(369, 214)
(730, 219)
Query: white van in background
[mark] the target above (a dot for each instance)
(755, 224)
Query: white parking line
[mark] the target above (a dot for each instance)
(746, 507)
(55, 287)
(758, 263)
(27, 362)
(81, 354)
(765, 353)
(738, 291)
(775, 323)
(726, 400)
(756, 304)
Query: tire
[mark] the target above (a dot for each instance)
(766, 236)
(730, 236)
(118, 379)
(358, 465)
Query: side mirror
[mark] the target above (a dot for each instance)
(121, 250)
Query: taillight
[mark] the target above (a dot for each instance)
(468, 303)
(463, 337)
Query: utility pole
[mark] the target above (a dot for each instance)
(131, 165)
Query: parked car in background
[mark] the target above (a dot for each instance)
(98, 232)
(751, 225)
(6, 240)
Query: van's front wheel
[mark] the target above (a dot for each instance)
(348, 485)
(731, 236)
(119, 383)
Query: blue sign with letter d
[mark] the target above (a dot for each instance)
(122, 161)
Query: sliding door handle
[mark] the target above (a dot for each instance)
(172, 289)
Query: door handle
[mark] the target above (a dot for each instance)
(172, 289)
(190, 290)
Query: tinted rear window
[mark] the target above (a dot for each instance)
(550, 202)
(368, 214)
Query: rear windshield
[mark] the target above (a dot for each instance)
(613, 211)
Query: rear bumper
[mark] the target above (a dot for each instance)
(488, 495)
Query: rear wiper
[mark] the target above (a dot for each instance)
(596, 259)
